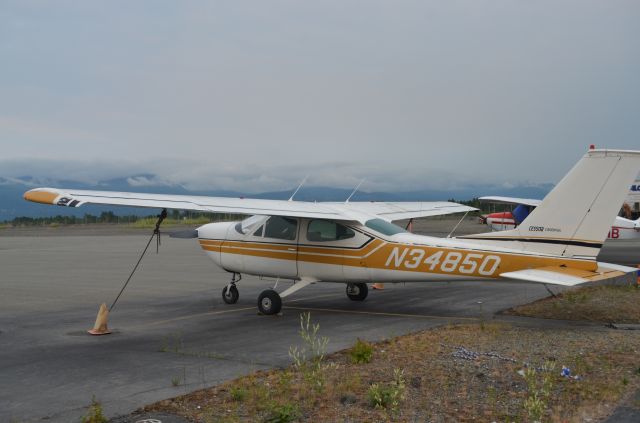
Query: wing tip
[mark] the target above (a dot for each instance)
(42, 196)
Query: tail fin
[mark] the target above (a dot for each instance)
(574, 218)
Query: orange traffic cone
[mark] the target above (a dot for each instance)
(100, 328)
(378, 286)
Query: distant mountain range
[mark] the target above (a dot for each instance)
(12, 204)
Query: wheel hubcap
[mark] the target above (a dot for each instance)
(266, 303)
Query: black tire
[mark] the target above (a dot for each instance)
(231, 295)
(269, 302)
(357, 291)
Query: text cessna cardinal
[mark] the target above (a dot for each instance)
(355, 242)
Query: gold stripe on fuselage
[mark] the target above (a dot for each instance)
(379, 254)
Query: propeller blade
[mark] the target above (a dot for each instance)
(184, 234)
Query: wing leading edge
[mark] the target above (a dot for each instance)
(511, 200)
(355, 211)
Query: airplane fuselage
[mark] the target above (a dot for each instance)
(365, 256)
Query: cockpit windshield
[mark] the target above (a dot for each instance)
(251, 224)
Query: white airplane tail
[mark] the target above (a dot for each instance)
(574, 218)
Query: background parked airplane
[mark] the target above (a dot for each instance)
(622, 227)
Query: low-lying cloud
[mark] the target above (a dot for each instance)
(242, 177)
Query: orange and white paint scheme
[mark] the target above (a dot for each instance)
(356, 243)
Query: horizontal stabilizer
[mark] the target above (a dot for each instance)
(567, 276)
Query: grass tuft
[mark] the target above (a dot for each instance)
(362, 352)
(309, 358)
(238, 393)
(94, 414)
(390, 395)
(283, 413)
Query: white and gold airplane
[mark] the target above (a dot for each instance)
(355, 242)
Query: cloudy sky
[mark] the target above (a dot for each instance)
(253, 95)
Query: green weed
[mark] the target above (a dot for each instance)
(238, 393)
(308, 358)
(388, 396)
(94, 414)
(283, 413)
(538, 391)
(362, 352)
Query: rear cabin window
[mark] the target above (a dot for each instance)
(384, 227)
(281, 228)
(325, 230)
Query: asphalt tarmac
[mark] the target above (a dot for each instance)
(171, 327)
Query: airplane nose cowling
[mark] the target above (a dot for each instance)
(211, 237)
(216, 230)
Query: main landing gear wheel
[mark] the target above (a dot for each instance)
(357, 291)
(269, 302)
(230, 294)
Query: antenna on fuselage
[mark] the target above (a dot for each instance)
(354, 191)
(298, 189)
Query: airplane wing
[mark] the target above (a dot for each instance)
(359, 211)
(391, 211)
(511, 200)
(567, 276)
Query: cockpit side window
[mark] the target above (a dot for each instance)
(279, 227)
(326, 230)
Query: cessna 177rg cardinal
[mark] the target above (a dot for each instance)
(356, 243)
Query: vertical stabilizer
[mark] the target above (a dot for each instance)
(574, 218)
